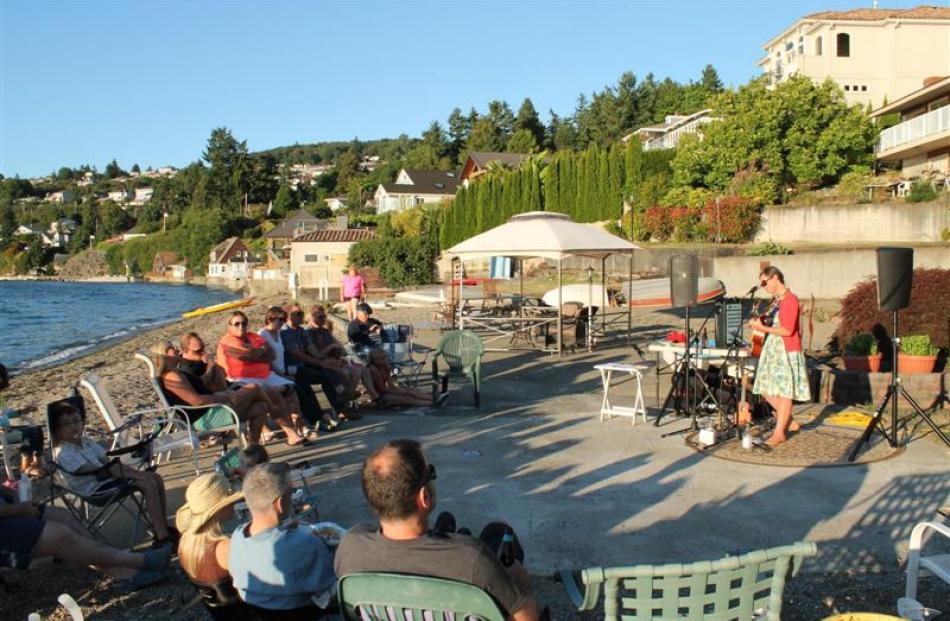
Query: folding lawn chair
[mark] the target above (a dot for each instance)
(397, 343)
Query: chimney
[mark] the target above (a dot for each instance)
(342, 222)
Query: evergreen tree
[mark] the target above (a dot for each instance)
(347, 169)
(284, 203)
(434, 138)
(528, 119)
(500, 114)
(522, 141)
(229, 170)
(113, 170)
(710, 80)
(7, 221)
(485, 136)
(459, 128)
(615, 185)
(633, 163)
(136, 169)
(627, 102)
(551, 185)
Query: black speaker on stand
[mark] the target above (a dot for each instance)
(895, 278)
(684, 291)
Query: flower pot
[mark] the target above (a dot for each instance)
(867, 364)
(910, 365)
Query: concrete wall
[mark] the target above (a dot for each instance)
(826, 275)
(891, 223)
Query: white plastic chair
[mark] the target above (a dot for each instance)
(127, 429)
(937, 565)
(236, 427)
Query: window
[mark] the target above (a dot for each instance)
(311, 258)
(801, 45)
(844, 45)
(788, 46)
(818, 46)
(847, 88)
(864, 88)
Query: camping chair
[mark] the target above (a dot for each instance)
(397, 343)
(934, 565)
(372, 596)
(172, 431)
(462, 351)
(94, 511)
(178, 411)
(735, 587)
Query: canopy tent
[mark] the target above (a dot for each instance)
(547, 235)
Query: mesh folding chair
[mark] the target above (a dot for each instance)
(98, 509)
(397, 343)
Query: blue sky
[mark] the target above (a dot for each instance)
(146, 82)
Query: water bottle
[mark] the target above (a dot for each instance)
(506, 553)
(746, 438)
(24, 489)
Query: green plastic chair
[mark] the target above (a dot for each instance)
(462, 351)
(730, 589)
(372, 596)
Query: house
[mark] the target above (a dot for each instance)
(921, 141)
(178, 272)
(231, 260)
(60, 232)
(278, 239)
(63, 196)
(666, 135)
(119, 196)
(415, 187)
(872, 53)
(320, 257)
(163, 262)
(27, 230)
(142, 195)
(478, 163)
(335, 203)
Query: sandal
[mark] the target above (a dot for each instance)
(302, 442)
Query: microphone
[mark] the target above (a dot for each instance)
(753, 290)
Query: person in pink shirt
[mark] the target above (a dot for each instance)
(351, 292)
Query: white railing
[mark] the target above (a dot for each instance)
(671, 139)
(930, 124)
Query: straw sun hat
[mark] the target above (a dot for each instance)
(205, 496)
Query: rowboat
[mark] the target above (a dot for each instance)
(648, 293)
(217, 308)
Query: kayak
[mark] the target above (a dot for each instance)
(217, 308)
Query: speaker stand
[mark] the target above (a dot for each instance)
(895, 390)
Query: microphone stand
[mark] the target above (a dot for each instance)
(734, 342)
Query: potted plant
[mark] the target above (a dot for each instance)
(861, 354)
(917, 355)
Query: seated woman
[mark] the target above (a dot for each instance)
(248, 401)
(274, 320)
(29, 437)
(87, 469)
(29, 531)
(203, 548)
(320, 331)
(389, 392)
(199, 364)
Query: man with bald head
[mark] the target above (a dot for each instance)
(399, 485)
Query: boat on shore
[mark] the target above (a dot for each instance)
(217, 308)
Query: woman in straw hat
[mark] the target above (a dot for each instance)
(203, 547)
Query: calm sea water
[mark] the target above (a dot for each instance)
(44, 322)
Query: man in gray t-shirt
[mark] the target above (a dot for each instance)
(399, 485)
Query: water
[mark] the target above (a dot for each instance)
(44, 322)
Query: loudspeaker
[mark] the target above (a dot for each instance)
(684, 279)
(729, 323)
(895, 275)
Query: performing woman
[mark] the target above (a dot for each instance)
(781, 377)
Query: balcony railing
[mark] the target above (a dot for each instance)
(671, 139)
(930, 124)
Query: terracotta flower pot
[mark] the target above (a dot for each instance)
(911, 365)
(867, 364)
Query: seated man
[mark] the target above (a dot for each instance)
(399, 484)
(278, 567)
(364, 331)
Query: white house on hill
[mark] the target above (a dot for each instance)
(415, 187)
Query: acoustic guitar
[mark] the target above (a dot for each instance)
(767, 318)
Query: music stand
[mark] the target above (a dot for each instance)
(895, 389)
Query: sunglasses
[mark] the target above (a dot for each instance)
(239, 324)
(296, 314)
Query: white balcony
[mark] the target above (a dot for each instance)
(672, 138)
(918, 132)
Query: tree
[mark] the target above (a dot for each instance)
(7, 220)
(485, 136)
(528, 119)
(347, 169)
(500, 114)
(710, 80)
(35, 253)
(459, 128)
(136, 169)
(113, 170)
(229, 169)
(522, 141)
(114, 219)
(262, 181)
(284, 202)
(434, 138)
(562, 135)
(633, 165)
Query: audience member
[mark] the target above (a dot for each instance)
(352, 288)
(200, 365)
(320, 331)
(29, 437)
(189, 389)
(274, 320)
(87, 470)
(279, 567)
(203, 549)
(388, 392)
(364, 331)
(399, 485)
(29, 531)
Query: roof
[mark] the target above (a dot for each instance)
(337, 235)
(680, 120)
(876, 15)
(430, 182)
(484, 158)
(916, 98)
(542, 234)
(287, 228)
(166, 256)
(222, 248)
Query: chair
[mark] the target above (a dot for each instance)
(397, 343)
(732, 588)
(172, 429)
(371, 597)
(180, 410)
(96, 510)
(937, 565)
(462, 351)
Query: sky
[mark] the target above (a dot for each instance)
(145, 82)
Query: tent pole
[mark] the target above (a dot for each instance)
(461, 285)
(603, 295)
(629, 297)
(521, 277)
(560, 309)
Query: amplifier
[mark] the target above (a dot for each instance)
(729, 322)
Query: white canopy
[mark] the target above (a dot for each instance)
(542, 234)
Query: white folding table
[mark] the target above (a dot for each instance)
(635, 371)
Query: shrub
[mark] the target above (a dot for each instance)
(918, 345)
(402, 262)
(945, 234)
(687, 223)
(683, 195)
(755, 184)
(861, 344)
(657, 223)
(921, 192)
(928, 312)
(853, 185)
(733, 219)
(768, 248)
